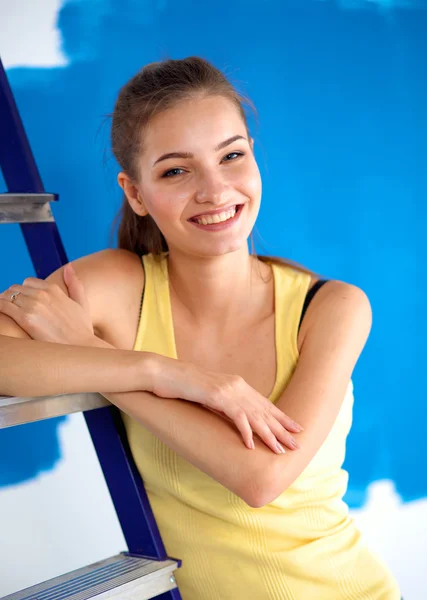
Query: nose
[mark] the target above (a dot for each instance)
(211, 188)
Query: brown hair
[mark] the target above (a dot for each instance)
(155, 88)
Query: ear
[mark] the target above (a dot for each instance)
(251, 142)
(132, 194)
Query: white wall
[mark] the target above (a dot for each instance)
(60, 521)
(65, 519)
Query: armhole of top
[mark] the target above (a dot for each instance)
(310, 295)
(143, 289)
(142, 297)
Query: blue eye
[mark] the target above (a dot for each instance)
(178, 171)
(236, 154)
(171, 173)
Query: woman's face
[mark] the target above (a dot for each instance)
(197, 159)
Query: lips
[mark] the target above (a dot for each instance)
(228, 224)
(216, 212)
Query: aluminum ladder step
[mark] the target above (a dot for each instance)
(124, 577)
(26, 208)
(15, 410)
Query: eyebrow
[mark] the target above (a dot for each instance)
(190, 155)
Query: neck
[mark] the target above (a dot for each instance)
(215, 290)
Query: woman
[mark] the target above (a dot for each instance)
(217, 327)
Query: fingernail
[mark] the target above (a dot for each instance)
(298, 427)
(252, 445)
(294, 444)
(280, 448)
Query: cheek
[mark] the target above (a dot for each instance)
(251, 181)
(166, 205)
(177, 198)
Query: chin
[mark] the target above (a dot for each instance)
(222, 248)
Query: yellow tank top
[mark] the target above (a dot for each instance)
(302, 546)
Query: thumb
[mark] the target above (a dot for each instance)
(75, 287)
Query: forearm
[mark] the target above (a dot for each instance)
(32, 368)
(206, 440)
(209, 442)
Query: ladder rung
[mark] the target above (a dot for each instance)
(121, 577)
(16, 411)
(26, 208)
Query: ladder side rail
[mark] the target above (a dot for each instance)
(20, 171)
(172, 595)
(125, 483)
(21, 174)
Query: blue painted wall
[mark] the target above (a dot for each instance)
(341, 93)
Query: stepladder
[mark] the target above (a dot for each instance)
(143, 570)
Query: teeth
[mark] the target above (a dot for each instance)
(219, 218)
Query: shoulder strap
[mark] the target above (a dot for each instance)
(310, 295)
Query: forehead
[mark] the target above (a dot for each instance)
(210, 120)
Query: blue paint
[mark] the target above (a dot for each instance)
(382, 5)
(28, 450)
(341, 145)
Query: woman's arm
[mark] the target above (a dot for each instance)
(209, 442)
(31, 365)
(339, 330)
(340, 327)
(68, 307)
(32, 368)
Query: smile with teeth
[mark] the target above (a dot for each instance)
(218, 218)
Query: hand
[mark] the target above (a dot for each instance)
(45, 311)
(227, 395)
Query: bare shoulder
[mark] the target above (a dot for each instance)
(101, 266)
(335, 298)
(113, 280)
(339, 329)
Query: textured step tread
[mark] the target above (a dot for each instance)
(122, 577)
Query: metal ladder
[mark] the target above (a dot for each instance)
(144, 571)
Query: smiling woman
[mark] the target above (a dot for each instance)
(192, 193)
(202, 345)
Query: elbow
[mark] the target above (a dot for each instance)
(264, 487)
(258, 500)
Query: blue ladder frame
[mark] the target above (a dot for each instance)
(105, 425)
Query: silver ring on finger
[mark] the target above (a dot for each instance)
(14, 296)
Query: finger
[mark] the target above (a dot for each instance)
(11, 310)
(22, 289)
(241, 421)
(282, 435)
(21, 313)
(19, 309)
(261, 428)
(286, 421)
(38, 284)
(7, 296)
(75, 286)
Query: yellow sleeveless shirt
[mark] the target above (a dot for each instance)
(302, 546)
